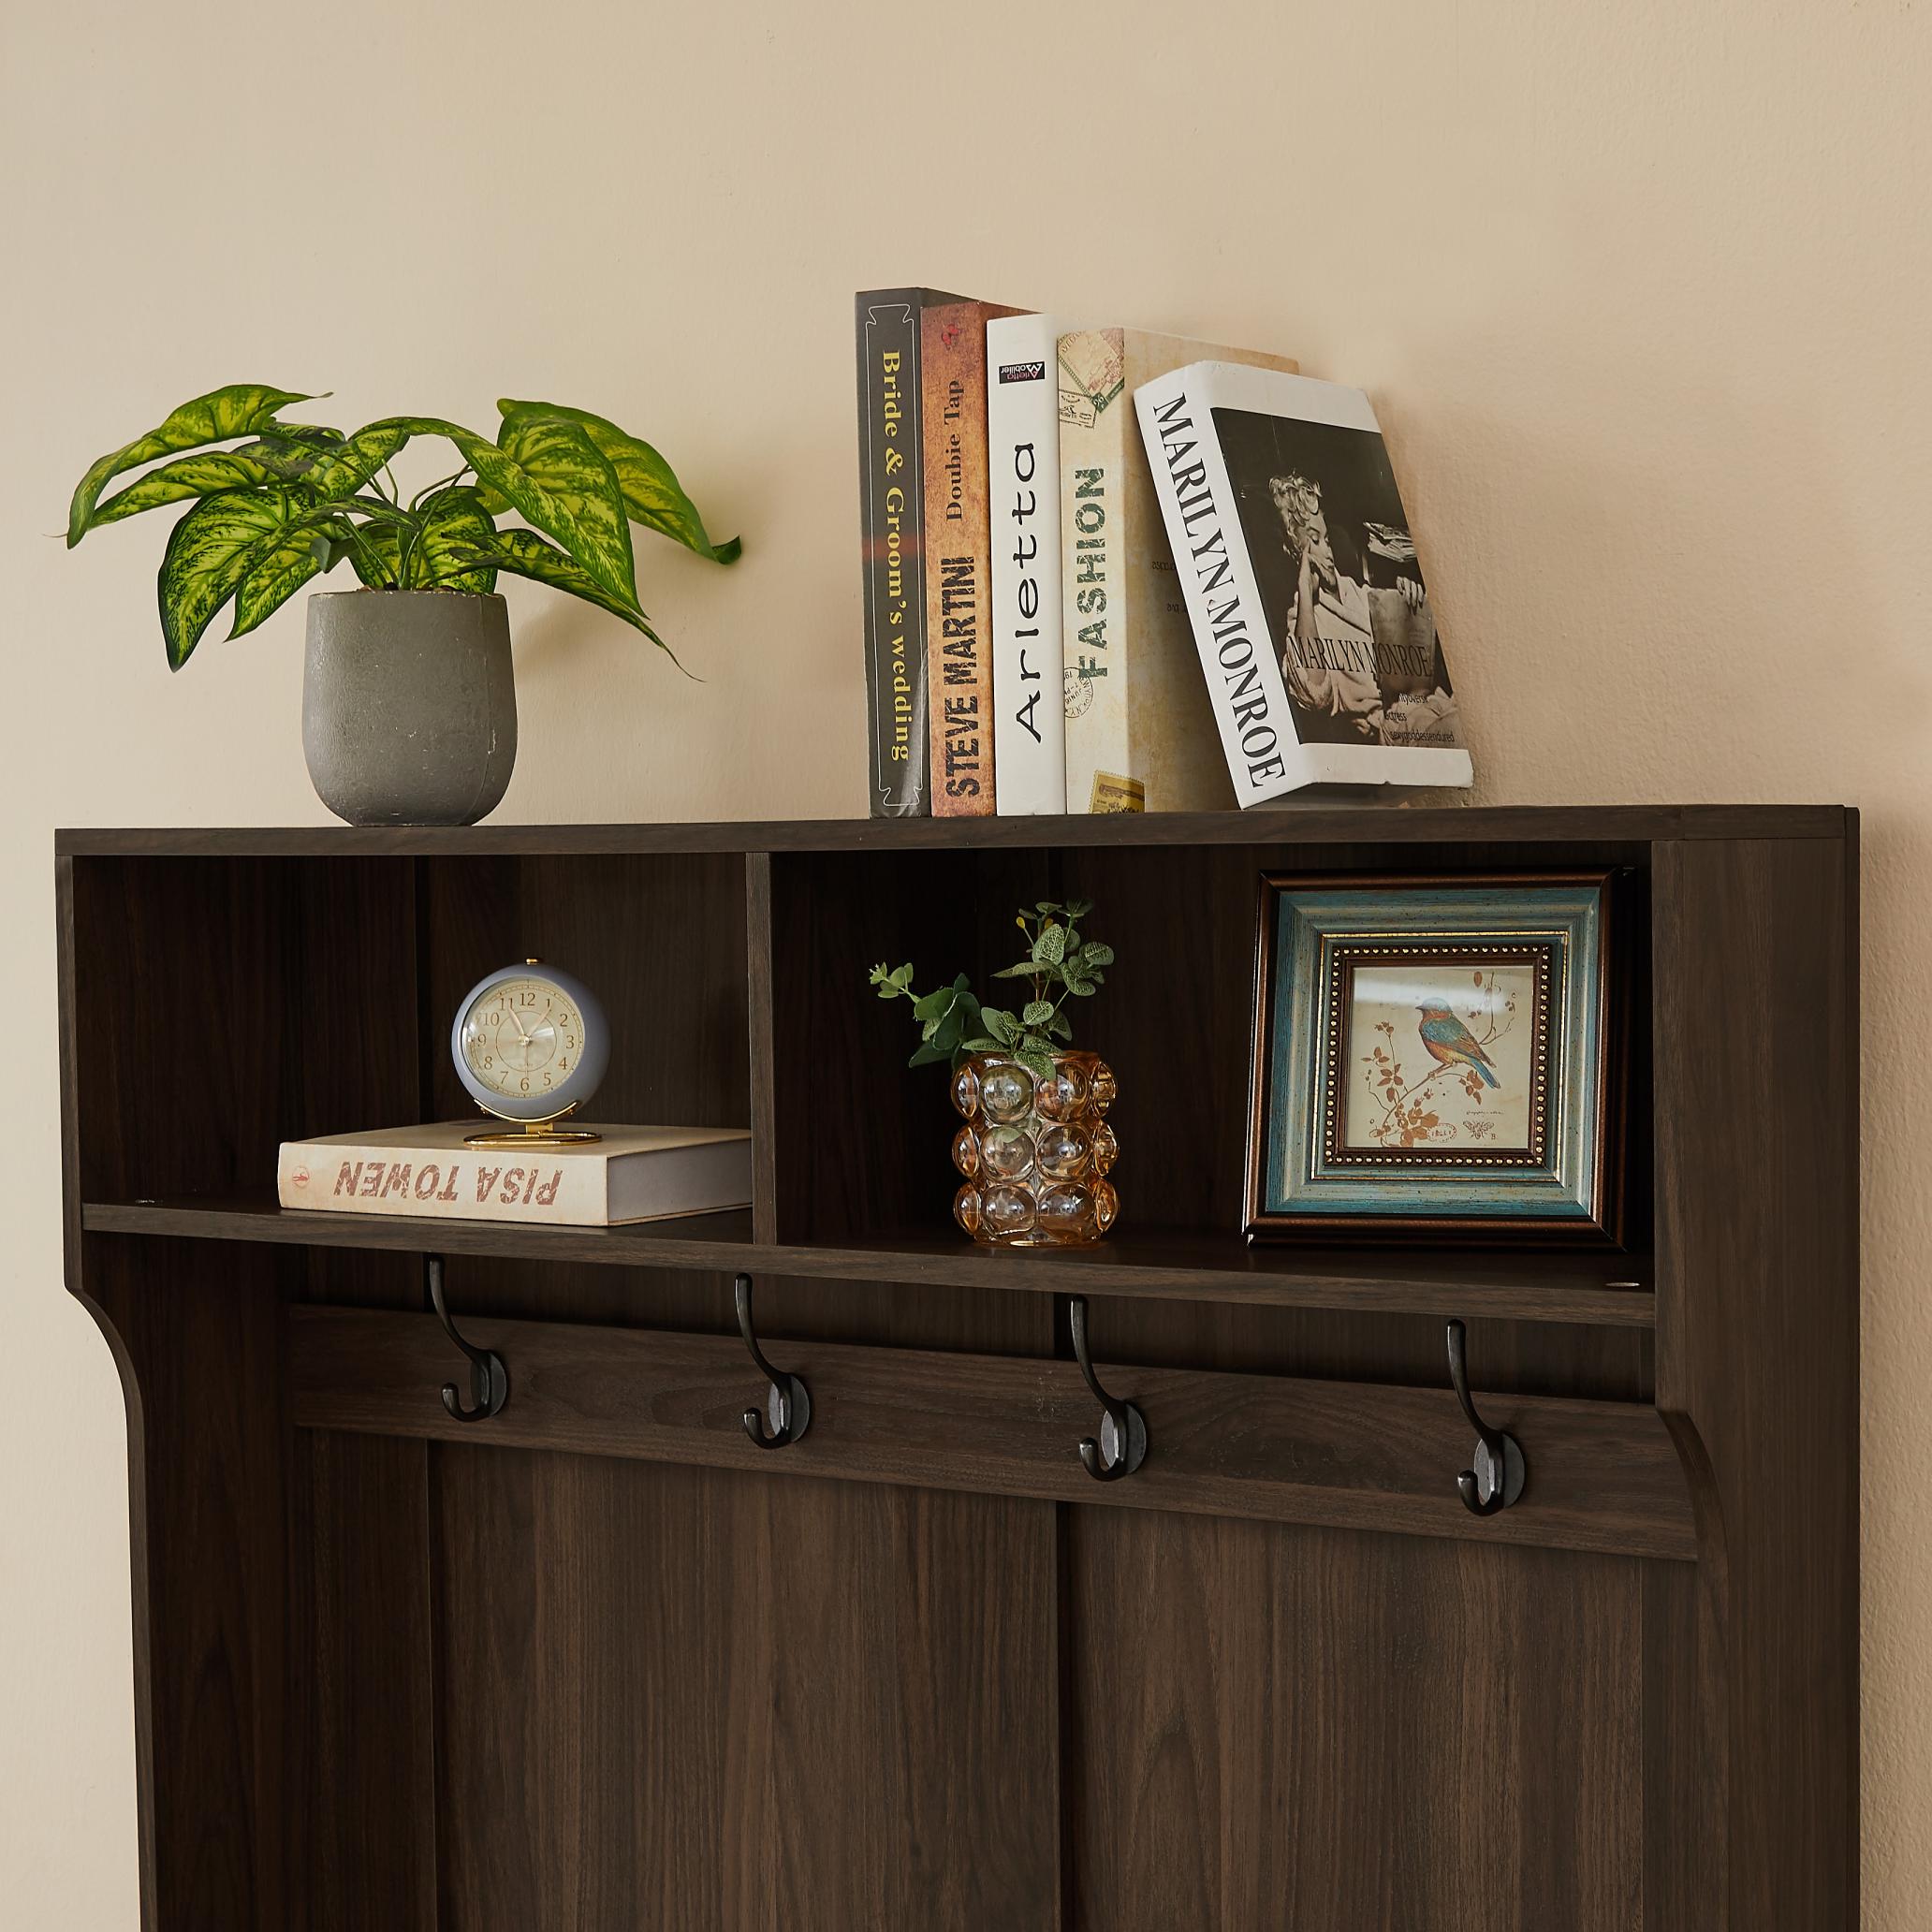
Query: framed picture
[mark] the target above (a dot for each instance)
(1435, 1055)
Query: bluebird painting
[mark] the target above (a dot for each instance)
(1467, 1086)
(1451, 1043)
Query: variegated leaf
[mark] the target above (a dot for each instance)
(652, 494)
(585, 508)
(375, 555)
(564, 486)
(343, 468)
(242, 409)
(454, 530)
(275, 577)
(291, 451)
(200, 475)
(523, 553)
(210, 551)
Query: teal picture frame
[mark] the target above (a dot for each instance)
(1436, 1057)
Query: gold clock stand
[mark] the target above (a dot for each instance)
(531, 1134)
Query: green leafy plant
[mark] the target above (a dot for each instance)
(287, 501)
(1059, 965)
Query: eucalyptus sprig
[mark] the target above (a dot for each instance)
(1060, 965)
(285, 502)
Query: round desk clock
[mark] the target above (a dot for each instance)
(530, 1043)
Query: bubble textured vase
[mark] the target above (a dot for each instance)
(1035, 1152)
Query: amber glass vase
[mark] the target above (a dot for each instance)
(1035, 1152)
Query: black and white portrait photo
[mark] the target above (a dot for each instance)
(1347, 608)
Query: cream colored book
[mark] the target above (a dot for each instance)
(1140, 729)
(632, 1173)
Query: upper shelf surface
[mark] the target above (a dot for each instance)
(1607, 1290)
(1390, 821)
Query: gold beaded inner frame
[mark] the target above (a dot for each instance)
(1345, 958)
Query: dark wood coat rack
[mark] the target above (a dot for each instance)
(701, 1611)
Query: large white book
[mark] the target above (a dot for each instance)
(631, 1174)
(1023, 475)
(1303, 588)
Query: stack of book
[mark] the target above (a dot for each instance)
(1068, 613)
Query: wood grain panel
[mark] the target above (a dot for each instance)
(1566, 1289)
(254, 957)
(1307, 1729)
(197, 1336)
(726, 1702)
(761, 1029)
(860, 1144)
(1376, 818)
(1757, 1235)
(1687, 1764)
(1604, 1475)
(361, 1819)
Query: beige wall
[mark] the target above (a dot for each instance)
(1642, 291)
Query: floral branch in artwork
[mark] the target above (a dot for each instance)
(1407, 1109)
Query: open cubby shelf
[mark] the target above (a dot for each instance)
(918, 1667)
(1177, 1267)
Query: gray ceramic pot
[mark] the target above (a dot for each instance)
(409, 705)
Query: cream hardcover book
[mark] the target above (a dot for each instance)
(631, 1174)
(1140, 730)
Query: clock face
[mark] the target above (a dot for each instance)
(529, 1042)
(522, 1039)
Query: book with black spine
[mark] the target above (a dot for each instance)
(892, 489)
(1303, 587)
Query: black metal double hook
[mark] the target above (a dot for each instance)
(1497, 1479)
(788, 1400)
(1122, 1444)
(490, 1381)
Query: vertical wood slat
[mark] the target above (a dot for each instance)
(196, 1339)
(1756, 1063)
(725, 1702)
(361, 1794)
(763, 1049)
(1306, 1730)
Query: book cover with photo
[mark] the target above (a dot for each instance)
(1311, 613)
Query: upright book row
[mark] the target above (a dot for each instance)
(1030, 645)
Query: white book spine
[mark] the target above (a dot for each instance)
(1023, 473)
(1265, 755)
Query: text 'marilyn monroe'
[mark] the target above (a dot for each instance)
(1239, 644)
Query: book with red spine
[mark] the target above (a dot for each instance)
(958, 552)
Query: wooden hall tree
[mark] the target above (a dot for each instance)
(600, 1661)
